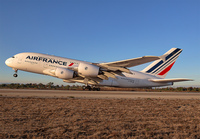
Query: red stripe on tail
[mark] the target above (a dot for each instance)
(167, 69)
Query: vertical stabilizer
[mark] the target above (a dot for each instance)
(162, 66)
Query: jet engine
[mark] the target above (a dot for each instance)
(89, 70)
(64, 73)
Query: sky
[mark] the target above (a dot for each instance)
(100, 31)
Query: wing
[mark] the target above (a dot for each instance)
(124, 64)
(131, 62)
(169, 80)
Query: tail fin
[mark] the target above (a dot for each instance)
(162, 66)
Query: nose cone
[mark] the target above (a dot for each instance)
(8, 62)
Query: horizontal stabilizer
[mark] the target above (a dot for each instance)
(169, 80)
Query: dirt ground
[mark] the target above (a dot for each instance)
(99, 118)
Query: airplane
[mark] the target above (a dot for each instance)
(94, 75)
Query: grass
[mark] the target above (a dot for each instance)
(99, 118)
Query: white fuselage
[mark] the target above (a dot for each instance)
(41, 63)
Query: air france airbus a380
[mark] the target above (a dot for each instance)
(115, 74)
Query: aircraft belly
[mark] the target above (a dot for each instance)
(125, 82)
(109, 82)
(152, 84)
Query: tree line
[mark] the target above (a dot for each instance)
(179, 89)
(52, 86)
(49, 86)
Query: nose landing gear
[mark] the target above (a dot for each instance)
(15, 75)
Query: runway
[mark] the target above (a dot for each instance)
(96, 94)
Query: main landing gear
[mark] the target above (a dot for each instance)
(15, 75)
(93, 88)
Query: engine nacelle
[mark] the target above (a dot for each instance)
(64, 73)
(88, 70)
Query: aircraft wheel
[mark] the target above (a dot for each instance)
(96, 89)
(89, 88)
(84, 87)
(15, 75)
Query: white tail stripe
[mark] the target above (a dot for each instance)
(161, 67)
(160, 64)
(166, 64)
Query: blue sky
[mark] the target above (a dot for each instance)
(100, 31)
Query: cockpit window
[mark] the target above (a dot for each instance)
(13, 57)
